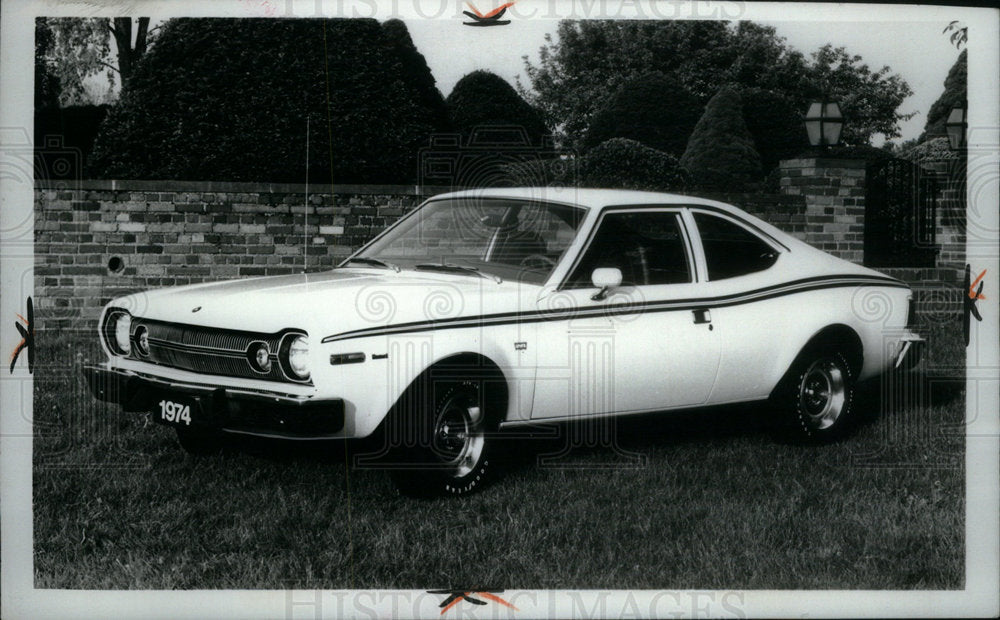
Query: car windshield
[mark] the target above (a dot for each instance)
(509, 239)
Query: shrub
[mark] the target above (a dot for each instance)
(720, 155)
(229, 100)
(626, 164)
(651, 109)
(483, 99)
(417, 74)
(74, 128)
(774, 124)
(954, 95)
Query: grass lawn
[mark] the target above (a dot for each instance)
(690, 500)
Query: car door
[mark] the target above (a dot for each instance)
(641, 346)
(739, 263)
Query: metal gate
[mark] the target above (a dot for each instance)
(900, 215)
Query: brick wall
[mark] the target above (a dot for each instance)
(951, 228)
(786, 212)
(106, 238)
(834, 193)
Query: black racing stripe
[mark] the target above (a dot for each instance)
(541, 316)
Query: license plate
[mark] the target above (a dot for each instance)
(175, 411)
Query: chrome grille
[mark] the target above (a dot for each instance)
(206, 350)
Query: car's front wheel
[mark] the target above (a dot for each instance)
(448, 437)
(817, 397)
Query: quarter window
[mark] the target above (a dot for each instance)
(648, 248)
(730, 249)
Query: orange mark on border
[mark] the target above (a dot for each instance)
(491, 13)
(20, 346)
(496, 599)
(972, 288)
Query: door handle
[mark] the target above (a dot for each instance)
(701, 315)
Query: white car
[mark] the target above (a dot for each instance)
(485, 310)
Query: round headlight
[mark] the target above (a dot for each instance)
(298, 356)
(122, 326)
(142, 340)
(259, 357)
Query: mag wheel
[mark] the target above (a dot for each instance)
(818, 397)
(449, 453)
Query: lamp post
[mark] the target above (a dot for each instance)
(824, 123)
(956, 125)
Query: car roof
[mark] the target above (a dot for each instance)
(590, 198)
(596, 199)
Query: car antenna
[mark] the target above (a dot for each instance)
(305, 227)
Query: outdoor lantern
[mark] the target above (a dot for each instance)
(956, 125)
(824, 123)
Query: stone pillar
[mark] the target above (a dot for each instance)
(950, 226)
(834, 190)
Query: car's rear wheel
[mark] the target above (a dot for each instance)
(199, 442)
(444, 437)
(817, 397)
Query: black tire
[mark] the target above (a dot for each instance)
(443, 438)
(816, 397)
(199, 442)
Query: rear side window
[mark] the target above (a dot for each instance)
(730, 249)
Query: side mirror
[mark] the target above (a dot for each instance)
(605, 278)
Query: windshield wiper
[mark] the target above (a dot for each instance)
(453, 268)
(373, 261)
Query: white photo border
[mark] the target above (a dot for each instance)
(982, 570)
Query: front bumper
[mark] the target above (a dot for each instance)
(231, 410)
(910, 350)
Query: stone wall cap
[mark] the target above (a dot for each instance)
(823, 162)
(165, 186)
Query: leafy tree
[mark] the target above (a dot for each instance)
(721, 154)
(220, 99)
(592, 59)
(554, 171)
(417, 74)
(46, 80)
(482, 99)
(869, 99)
(959, 33)
(652, 109)
(775, 124)
(627, 164)
(81, 47)
(933, 149)
(954, 95)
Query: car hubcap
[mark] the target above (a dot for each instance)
(459, 436)
(822, 393)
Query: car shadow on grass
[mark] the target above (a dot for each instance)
(624, 440)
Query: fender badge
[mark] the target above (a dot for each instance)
(196, 308)
(520, 346)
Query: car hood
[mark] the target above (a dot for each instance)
(329, 302)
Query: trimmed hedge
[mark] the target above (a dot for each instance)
(775, 125)
(652, 109)
(627, 164)
(483, 99)
(229, 100)
(954, 95)
(720, 154)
